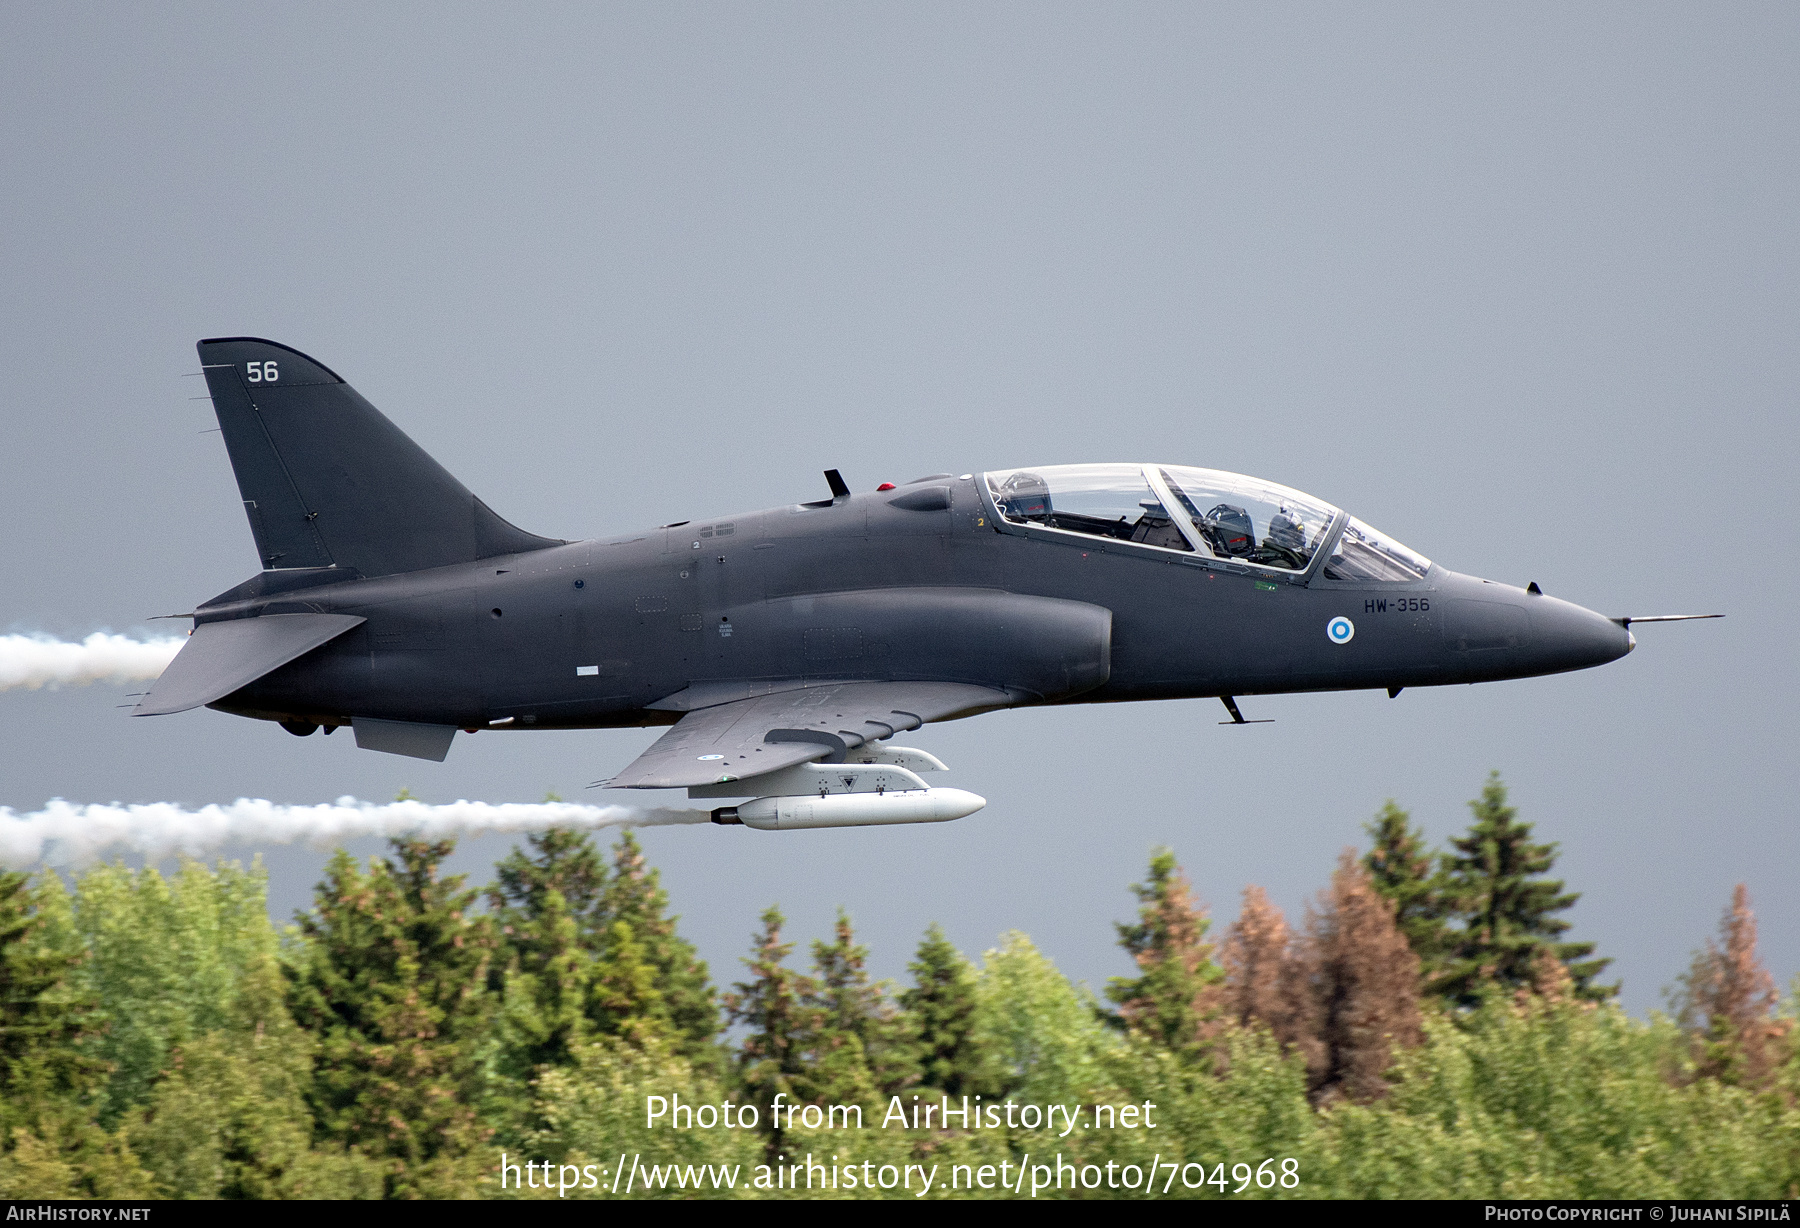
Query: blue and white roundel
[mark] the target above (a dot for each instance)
(1340, 630)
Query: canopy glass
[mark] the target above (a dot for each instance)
(1363, 553)
(1199, 511)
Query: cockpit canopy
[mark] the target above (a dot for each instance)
(1206, 512)
(1363, 553)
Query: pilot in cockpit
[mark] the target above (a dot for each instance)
(1245, 520)
(1026, 496)
(1232, 534)
(1286, 542)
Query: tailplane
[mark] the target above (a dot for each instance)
(328, 481)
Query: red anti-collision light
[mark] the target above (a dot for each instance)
(884, 486)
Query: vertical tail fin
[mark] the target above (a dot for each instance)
(328, 481)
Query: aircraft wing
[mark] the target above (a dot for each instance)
(747, 737)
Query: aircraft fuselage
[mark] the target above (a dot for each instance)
(927, 581)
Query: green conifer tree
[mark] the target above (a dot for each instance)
(626, 999)
(1175, 1000)
(859, 1026)
(545, 995)
(550, 1005)
(942, 1007)
(391, 980)
(1507, 910)
(776, 1005)
(561, 860)
(1405, 873)
(634, 895)
(547, 905)
(50, 1146)
(42, 1019)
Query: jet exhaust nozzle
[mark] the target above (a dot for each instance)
(852, 809)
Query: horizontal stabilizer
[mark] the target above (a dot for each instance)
(221, 657)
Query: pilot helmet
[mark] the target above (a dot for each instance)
(1286, 532)
(1025, 496)
(1232, 532)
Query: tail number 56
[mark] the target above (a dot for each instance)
(262, 372)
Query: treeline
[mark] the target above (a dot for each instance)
(1426, 1029)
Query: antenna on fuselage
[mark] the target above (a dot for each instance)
(1237, 718)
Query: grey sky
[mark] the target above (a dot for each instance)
(1516, 284)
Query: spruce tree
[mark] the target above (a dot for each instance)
(776, 1004)
(1175, 1000)
(942, 1006)
(391, 980)
(634, 895)
(545, 996)
(1728, 998)
(1409, 876)
(561, 860)
(43, 1016)
(856, 1015)
(835, 1070)
(50, 1146)
(626, 999)
(1494, 885)
(1261, 985)
(545, 905)
(1362, 980)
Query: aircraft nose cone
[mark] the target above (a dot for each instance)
(1566, 636)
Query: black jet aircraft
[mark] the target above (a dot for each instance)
(784, 648)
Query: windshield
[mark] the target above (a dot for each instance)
(1196, 511)
(1364, 554)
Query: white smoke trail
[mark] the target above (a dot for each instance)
(72, 834)
(38, 660)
